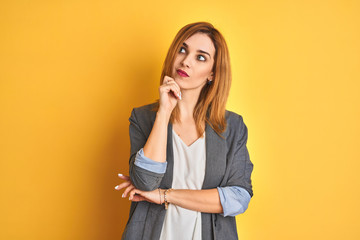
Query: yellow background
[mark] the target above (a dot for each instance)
(71, 72)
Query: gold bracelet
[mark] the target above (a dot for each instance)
(166, 202)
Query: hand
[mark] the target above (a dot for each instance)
(154, 196)
(169, 94)
(150, 196)
(127, 184)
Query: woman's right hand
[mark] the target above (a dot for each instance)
(169, 94)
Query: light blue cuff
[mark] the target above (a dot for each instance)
(234, 200)
(146, 163)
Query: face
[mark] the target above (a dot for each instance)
(196, 59)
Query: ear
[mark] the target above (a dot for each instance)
(211, 76)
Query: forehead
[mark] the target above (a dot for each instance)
(201, 41)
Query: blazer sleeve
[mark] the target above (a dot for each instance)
(241, 167)
(141, 178)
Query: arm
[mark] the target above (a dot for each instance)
(234, 200)
(142, 178)
(228, 201)
(207, 200)
(155, 145)
(241, 165)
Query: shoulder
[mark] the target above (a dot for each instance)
(235, 125)
(144, 117)
(234, 119)
(145, 108)
(144, 111)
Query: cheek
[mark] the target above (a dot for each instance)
(204, 71)
(177, 60)
(175, 64)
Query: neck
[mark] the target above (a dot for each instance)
(187, 104)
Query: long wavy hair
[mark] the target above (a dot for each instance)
(211, 103)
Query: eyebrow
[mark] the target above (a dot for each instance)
(198, 50)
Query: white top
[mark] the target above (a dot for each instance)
(188, 173)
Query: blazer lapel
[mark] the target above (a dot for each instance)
(215, 158)
(166, 182)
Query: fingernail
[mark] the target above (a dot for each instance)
(119, 174)
(180, 96)
(123, 195)
(117, 187)
(129, 198)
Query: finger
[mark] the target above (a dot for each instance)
(177, 94)
(170, 88)
(138, 198)
(166, 79)
(178, 91)
(172, 81)
(122, 185)
(133, 192)
(123, 176)
(127, 190)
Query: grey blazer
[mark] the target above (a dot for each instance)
(227, 164)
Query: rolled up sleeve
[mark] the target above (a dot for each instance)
(148, 164)
(234, 200)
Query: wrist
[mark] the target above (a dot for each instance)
(166, 197)
(162, 196)
(163, 114)
(169, 195)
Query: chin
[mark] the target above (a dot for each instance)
(181, 85)
(177, 79)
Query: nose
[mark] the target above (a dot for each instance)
(186, 62)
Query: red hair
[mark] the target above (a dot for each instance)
(211, 103)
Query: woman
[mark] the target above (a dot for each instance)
(190, 171)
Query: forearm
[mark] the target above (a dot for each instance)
(155, 147)
(197, 200)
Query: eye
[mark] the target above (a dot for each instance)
(181, 49)
(201, 56)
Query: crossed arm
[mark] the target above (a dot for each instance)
(197, 200)
(228, 201)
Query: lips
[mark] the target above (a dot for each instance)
(182, 73)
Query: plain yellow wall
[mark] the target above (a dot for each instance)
(71, 72)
